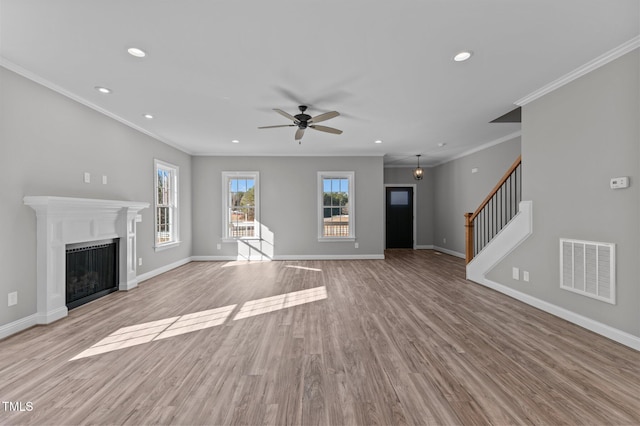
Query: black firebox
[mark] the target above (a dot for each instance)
(92, 271)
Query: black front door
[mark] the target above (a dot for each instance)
(399, 217)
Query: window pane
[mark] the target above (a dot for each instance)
(166, 227)
(163, 225)
(335, 214)
(160, 186)
(242, 207)
(399, 198)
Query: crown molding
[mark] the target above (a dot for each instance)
(601, 60)
(5, 63)
(482, 147)
(498, 141)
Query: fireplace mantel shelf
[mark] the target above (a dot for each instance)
(87, 203)
(64, 220)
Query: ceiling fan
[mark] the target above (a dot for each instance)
(302, 121)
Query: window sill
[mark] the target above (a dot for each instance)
(166, 246)
(336, 239)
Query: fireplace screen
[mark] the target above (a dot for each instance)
(92, 271)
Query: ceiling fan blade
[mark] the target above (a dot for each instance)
(326, 129)
(281, 125)
(286, 114)
(299, 134)
(323, 117)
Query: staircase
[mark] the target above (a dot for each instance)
(495, 211)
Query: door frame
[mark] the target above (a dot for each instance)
(415, 206)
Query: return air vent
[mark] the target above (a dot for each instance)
(588, 268)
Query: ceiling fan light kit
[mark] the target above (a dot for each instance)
(304, 121)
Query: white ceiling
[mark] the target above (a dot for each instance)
(215, 69)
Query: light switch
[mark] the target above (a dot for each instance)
(87, 177)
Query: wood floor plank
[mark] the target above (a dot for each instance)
(404, 340)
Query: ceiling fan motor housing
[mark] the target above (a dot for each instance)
(302, 117)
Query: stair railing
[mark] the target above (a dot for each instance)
(495, 211)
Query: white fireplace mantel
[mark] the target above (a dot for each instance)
(62, 221)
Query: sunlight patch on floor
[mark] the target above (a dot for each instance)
(306, 268)
(281, 301)
(139, 334)
(244, 263)
(156, 330)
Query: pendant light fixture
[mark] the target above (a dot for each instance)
(418, 173)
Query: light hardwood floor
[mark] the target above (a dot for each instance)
(406, 340)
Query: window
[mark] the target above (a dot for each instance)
(241, 215)
(336, 218)
(166, 205)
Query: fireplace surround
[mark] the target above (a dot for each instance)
(62, 221)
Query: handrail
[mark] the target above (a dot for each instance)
(495, 211)
(497, 187)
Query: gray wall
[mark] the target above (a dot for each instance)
(458, 190)
(47, 142)
(288, 205)
(573, 141)
(424, 199)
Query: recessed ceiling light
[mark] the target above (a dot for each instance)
(102, 90)
(138, 53)
(463, 56)
(235, 141)
(378, 141)
(441, 144)
(148, 116)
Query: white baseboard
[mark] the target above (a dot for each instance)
(424, 247)
(18, 326)
(614, 334)
(329, 257)
(222, 259)
(291, 257)
(52, 316)
(450, 252)
(163, 269)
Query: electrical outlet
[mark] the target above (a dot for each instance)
(525, 276)
(444, 241)
(219, 246)
(12, 298)
(87, 177)
(515, 273)
(357, 245)
(104, 179)
(139, 261)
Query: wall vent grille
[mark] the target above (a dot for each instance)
(588, 268)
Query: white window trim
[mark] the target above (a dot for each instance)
(175, 171)
(351, 176)
(225, 208)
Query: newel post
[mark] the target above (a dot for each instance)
(468, 236)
